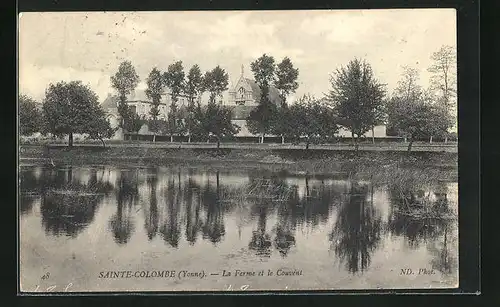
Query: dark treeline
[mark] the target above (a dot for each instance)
(356, 101)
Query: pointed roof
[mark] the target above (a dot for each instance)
(111, 101)
(274, 94)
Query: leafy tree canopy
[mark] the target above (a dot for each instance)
(286, 78)
(216, 82)
(358, 98)
(30, 120)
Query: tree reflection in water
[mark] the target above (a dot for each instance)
(416, 216)
(193, 208)
(444, 258)
(127, 197)
(29, 187)
(284, 230)
(265, 194)
(171, 229)
(213, 227)
(261, 240)
(357, 231)
(67, 205)
(151, 212)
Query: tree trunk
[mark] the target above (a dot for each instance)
(446, 139)
(154, 138)
(103, 144)
(430, 140)
(282, 139)
(307, 143)
(262, 140)
(218, 143)
(70, 140)
(409, 145)
(356, 143)
(373, 135)
(352, 137)
(189, 138)
(171, 138)
(404, 139)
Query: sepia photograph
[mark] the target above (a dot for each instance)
(286, 150)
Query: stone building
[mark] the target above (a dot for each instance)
(243, 97)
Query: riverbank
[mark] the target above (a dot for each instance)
(299, 161)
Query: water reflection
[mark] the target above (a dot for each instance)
(213, 226)
(420, 216)
(68, 205)
(121, 223)
(357, 230)
(151, 215)
(193, 210)
(170, 228)
(278, 213)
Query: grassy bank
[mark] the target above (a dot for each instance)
(291, 160)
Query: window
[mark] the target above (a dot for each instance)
(241, 93)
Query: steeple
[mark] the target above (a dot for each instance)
(242, 70)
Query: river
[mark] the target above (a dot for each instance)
(103, 228)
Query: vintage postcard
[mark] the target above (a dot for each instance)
(237, 150)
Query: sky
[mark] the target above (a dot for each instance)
(89, 46)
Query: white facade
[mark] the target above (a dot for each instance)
(378, 132)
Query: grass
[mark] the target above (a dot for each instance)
(344, 164)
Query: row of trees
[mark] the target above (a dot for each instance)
(197, 120)
(357, 101)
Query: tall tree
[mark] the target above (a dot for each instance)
(286, 79)
(71, 108)
(313, 120)
(357, 97)
(412, 118)
(193, 89)
(124, 82)
(174, 79)
(260, 120)
(263, 70)
(283, 124)
(155, 83)
(408, 86)
(444, 79)
(99, 127)
(412, 111)
(217, 121)
(443, 69)
(29, 116)
(215, 82)
(286, 83)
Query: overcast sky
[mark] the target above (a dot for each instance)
(90, 46)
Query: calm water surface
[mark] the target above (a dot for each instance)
(79, 223)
